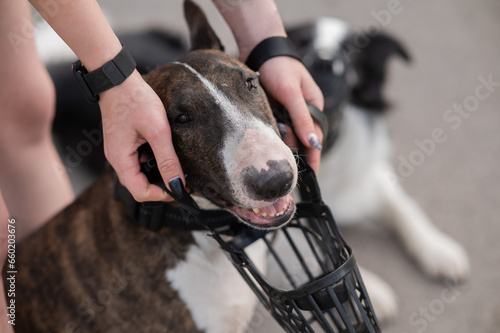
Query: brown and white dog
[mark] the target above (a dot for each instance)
(92, 269)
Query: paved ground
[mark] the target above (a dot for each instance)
(453, 43)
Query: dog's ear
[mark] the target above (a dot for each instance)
(202, 35)
(370, 57)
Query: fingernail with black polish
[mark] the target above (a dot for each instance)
(176, 187)
(283, 131)
(182, 196)
(314, 141)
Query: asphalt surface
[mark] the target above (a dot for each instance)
(452, 43)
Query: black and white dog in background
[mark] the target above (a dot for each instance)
(356, 177)
(356, 168)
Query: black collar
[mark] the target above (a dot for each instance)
(157, 215)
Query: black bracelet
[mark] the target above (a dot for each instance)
(111, 74)
(269, 48)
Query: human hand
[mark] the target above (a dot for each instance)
(133, 114)
(288, 82)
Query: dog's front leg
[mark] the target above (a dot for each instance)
(438, 254)
(382, 296)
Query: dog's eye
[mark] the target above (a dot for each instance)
(182, 119)
(251, 84)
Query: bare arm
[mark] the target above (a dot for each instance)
(82, 25)
(251, 21)
(285, 78)
(132, 112)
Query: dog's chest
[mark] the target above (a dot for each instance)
(217, 297)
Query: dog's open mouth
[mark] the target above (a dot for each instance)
(272, 216)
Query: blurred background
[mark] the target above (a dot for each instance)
(452, 44)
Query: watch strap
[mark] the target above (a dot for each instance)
(111, 74)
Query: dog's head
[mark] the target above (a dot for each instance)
(345, 63)
(349, 66)
(224, 131)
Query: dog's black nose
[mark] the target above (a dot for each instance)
(269, 184)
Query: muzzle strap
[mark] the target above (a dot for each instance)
(281, 114)
(180, 216)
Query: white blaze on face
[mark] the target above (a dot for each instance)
(249, 142)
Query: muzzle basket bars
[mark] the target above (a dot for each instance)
(333, 297)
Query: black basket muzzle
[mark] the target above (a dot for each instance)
(316, 285)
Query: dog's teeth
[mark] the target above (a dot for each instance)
(263, 214)
(272, 215)
(256, 210)
(280, 213)
(285, 206)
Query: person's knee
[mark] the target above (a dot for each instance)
(28, 108)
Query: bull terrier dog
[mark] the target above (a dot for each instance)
(93, 269)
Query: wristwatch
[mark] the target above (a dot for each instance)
(111, 74)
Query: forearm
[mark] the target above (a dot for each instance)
(82, 25)
(251, 22)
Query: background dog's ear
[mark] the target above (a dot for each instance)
(202, 35)
(370, 60)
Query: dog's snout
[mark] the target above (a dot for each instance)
(269, 184)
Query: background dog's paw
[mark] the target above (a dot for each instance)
(444, 258)
(382, 296)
